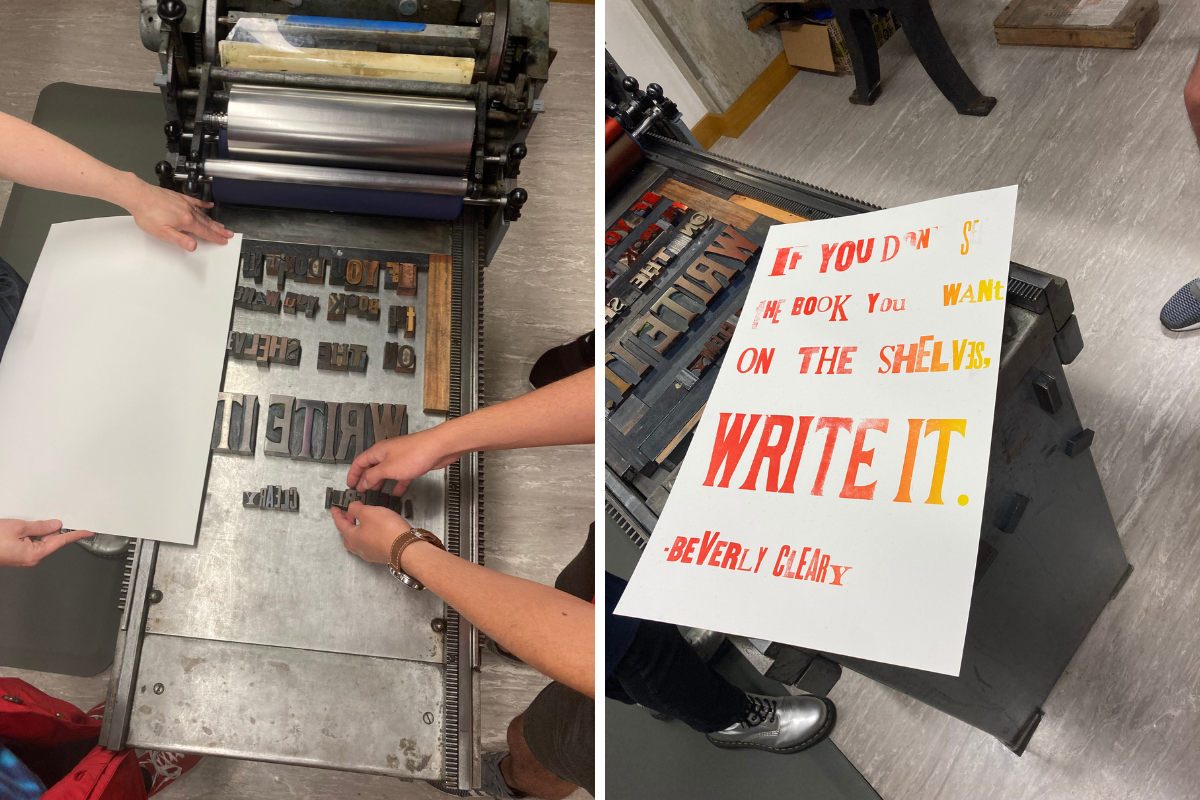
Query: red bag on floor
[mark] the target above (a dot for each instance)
(30, 718)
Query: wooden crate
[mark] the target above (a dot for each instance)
(1122, 24)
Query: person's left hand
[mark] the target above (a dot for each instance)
(24, 544)
(371, 539)
(171, 216)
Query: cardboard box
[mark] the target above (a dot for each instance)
(818, 44)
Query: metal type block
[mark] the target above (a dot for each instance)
(372, 498)
(292, 358)
(337, 308)
(408, 280)
(358, 358)
(1010, 514)
(250, 346)
(324, 351)
(249, 424)
(389, 420)
(289, 303)
(410, 322)
(283, 425)
(1045, 388)
(370, 279)
(293, 499)
(391, 352)
(339, 357)
(251, 499)
(329, 493)
(393, 324)
(1079, 442)
(337, 272)
(351, 431)
(406, 359)
(408, 509)
(230, 342)
(268, 497)
(314, 303)
(228, 398)
(354, 272)
(310, 409)
(329, 454)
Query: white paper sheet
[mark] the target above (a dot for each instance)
(108, 385)
(867, 547)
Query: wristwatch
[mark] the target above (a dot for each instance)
(398, 546)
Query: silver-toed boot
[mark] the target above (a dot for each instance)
(779, 724)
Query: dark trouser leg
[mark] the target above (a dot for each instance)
(864, 55)
(661, 672)
(12, 291)
(579, 577)
(925, 36)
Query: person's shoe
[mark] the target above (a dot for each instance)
(779, 724)
(564, 361)
(1182, 311)
(491, 784)
(162, 768)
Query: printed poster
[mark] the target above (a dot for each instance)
(833, 493)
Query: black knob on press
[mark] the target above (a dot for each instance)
(610, 108)
(166, 174)
(172, 12)
(654, 92)
(192, 187)
(517, 198)
(174, 132)
(518, 151)
(628, 83)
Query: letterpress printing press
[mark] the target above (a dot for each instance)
(676, 274)
(421, 178)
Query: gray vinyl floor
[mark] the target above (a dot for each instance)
(539, 293)
(1109, 176)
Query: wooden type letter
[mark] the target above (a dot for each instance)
(351, 431)
(354, 272)
(271, 264)
(261, 353)
(394, 319)
(410, 322)
(251, 499)
(316, 271)
(228, 398)
(371, 312)
(351, 304)
(293, 499)
(273, 303)
(407, 285)
(406, 359)
(339, 358)
(337, 272)
(331, 423)
(283, 425)
(251, 346)
(324, 351)
(329, 495)
(249, 424)
(292, 357)
(391, 275)
(390, 420)
(337, 308)
(391, 352)
(358, 358)
(310, 307)
(276, 347)
(289, 303)
(310, 409)
(370, 279)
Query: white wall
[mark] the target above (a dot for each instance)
(634, 45)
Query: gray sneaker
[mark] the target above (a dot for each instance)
(492, 783)
(1182, 311)
(779, 724)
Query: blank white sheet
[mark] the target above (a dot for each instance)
(108, 385)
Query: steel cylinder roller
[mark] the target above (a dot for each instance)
(425, 135)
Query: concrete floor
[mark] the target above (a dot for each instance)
(539, 293)
(1109, 176)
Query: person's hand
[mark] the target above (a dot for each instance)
(371, 539)
(171, 216)
(24, 544)
(402, 459)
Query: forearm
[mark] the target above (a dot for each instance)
(549, 630)
(35, 158)
(558, 414)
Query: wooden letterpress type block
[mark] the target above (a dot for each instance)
(289, 303)
(324, 351)
(277, 349)
(271, 264)
(249, 424)
(239, 298)
(410, 322)
(225, 401)
(329, 492)
(260, 301)
(332, 414)
(292, 354)
(251, 499)
(372, 497)
(299, 269)
(337, 272)
(396, 504)
(337, 308)
(352, 304)
(358, 358)
(371, 313)
(408, 280)
(281, 426)
(309, 409)
(293, 499)
(230, 342)
(394, 318)
(370, 281)
(408, 512)
(391, 351)
(406, 359)
(354, 272)
(388, 420)
(251, 344)
(310, 310)
(288, 269)
(352, 432)
(391, 275)
(339, 358)
(246, 263)
(316, 271)
(264, 347)
(273, 302)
